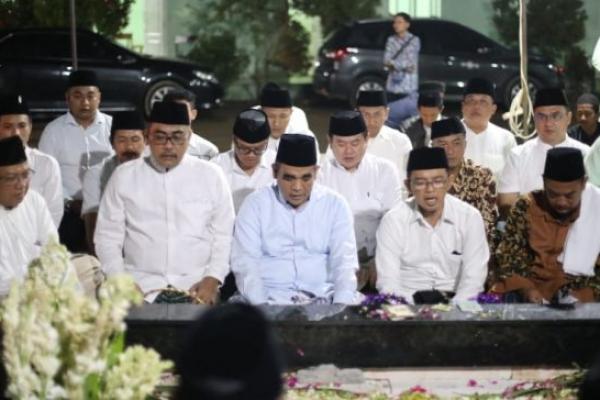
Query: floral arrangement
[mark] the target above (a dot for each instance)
(60, 344)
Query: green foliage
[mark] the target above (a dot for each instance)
(261, 39)
(552, 26)
(336, 13)
(107, 17)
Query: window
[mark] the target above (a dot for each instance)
(454, 38)
(93, 48)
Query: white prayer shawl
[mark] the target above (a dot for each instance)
(582, 246)
(23, 231)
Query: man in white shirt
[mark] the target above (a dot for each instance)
(46, 180)
(383, 141)
(523, 171)
(167, 218)
(487, 144)
(78, 140)
(127, 139)
(25, 222)
(294, 241)
(369, 184)
(432, 247)
(199, 146)
(283, 116)
(247, 166)
(418, 129)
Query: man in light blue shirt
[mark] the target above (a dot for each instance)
(294, 241)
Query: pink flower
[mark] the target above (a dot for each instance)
(472, 383)
(417, 389)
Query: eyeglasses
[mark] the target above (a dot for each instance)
(178, 138)
(554, 117)
(245, 151)
(436, 183)
(13, 179)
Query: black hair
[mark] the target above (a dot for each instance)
(404, 16)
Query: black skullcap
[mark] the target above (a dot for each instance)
(83, 78)
(126, 120)
(297, 150)
(230, 354)
(274, 96)
(431, 99)
(550, 97)
(564, 164)
(445, 127)
(13, 104)
(169, 112)
(426, 158)
(252, 126)
(588, 98)
(371, 98)
(346, 123)
(12, 151)
(480, 86)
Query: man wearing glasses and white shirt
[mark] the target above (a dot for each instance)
(523, 170)
(167, 219)
(247, 166)
(432, 247)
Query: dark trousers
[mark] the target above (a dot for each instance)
(72, 232)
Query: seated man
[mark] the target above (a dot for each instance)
(248, 165)
(431, 247)
(523, 170)
(383, 141)
(369, 183)
(294, 241)
(468, 181)
(587, 128)
(199, 146)
(47, 181)
(25, 222)
(488, 144)
(283, 116)
(550, 250)
(127, 139)
(418, 129)
(167, 218)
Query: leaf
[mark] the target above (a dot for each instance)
(115, 348)
(92, 387)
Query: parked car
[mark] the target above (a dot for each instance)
(37, 62)
(351, 59)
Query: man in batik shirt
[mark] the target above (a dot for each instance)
(469, 182)
(550, 250)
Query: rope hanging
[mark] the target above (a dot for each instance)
(520, 113)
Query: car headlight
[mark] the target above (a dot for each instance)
(206, 76)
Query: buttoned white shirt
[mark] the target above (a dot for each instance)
(392, 145)
(24, 230)
(46, 180)
(370, 190)
(240, 183)
(166, 227)
(281, 253)
(525, 166)
(412, 255)
(76, 149)
(94, 183)
(489, 148)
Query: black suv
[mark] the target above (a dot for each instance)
(37, 62)
(351, 59)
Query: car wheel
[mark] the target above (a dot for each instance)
(157, 92)
(366, 83)
(514, 85)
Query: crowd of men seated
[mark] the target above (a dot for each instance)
(442, 212)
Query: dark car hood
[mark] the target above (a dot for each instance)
(174, 63)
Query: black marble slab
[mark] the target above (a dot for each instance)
(517, 335)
